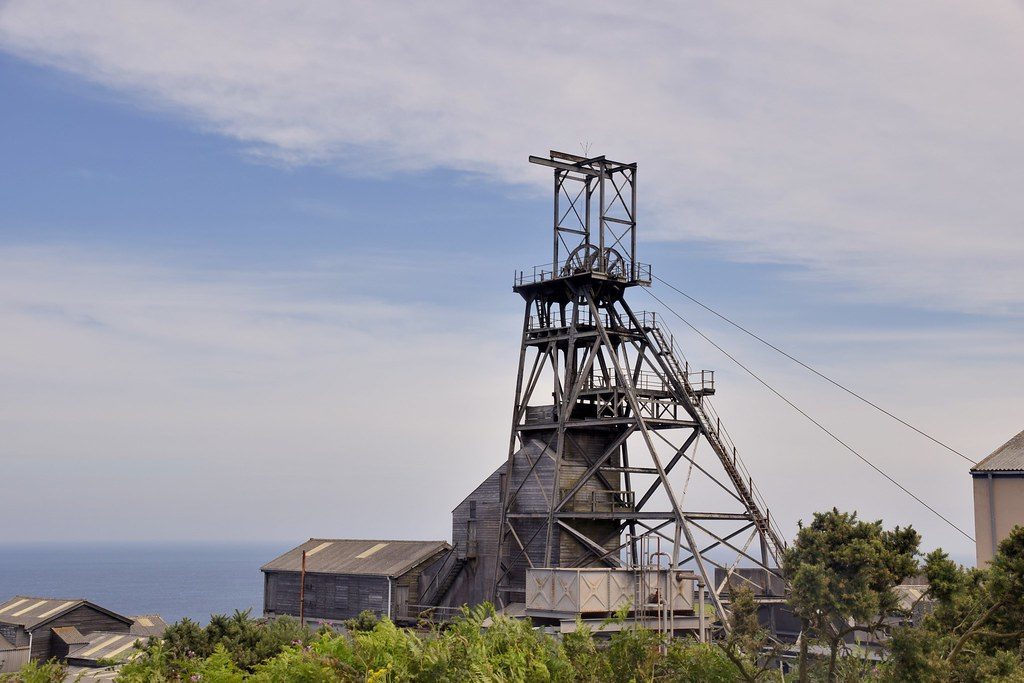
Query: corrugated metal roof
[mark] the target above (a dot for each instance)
(105, 645)
(349, 556)
(909, 596)
(90, 674)
(148, 625)
(70, 635)
(1008, 457)
(30, 612)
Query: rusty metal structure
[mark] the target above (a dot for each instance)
(608, 417)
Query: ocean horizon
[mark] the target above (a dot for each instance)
(172, 579)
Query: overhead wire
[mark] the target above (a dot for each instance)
(815, 422)
(822, 375)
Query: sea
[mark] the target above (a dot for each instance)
(174, 580)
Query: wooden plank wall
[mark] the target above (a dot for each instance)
(584, 446)
(86, 619)
(336, 597)
(15, 635)
(12, 660)
(473, 586)
(333, 597)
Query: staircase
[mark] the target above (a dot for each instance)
(444, 578)
(711, 428)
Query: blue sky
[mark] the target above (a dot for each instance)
(227, 243)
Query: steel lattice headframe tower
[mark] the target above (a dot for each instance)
(603, 470)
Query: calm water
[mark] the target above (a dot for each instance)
(173, 580)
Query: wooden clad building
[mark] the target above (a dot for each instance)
(466, 575)
(344, 577)
(12, 657)
(34, 627)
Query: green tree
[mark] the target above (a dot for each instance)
(842, 573)
(690, 662)
(748, 646)
(975, 630)
(589, 662)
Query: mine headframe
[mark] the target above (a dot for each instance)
(602, 468)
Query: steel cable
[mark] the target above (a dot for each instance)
(819, 425)
(823, 376)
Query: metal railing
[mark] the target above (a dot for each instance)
(624, 271)
(585, 318)
(429, 592)
(558, 320)
(601, 500)
(713, 423)
(645, 381)
(432, 613)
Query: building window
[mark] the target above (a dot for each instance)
(472, 509)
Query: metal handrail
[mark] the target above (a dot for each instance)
(716, 429)
(584, 317)
(427, 612)
(442, 571)
(602, 500)
(631, 271)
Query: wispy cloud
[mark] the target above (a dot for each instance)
(875, 145)
(216, 404)
(188, 395)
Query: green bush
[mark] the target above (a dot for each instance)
(478, 646)
(843, 573)
(35, 672)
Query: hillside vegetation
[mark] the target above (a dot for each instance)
(842, 570)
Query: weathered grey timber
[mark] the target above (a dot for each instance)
(476, 520)
(344, 577)
(30, 622)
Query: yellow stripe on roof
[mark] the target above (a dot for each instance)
(98, 646)
(317, 549)
(122, 648)
(29, 608)
(366, 553)
(56, 609)
(13, 605)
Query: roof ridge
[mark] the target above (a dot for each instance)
(377, 540)
(43, 597)
(1008, 457)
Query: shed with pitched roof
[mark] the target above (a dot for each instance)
(343, 577)
(998, 496)
(41, 624)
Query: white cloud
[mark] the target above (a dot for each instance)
(143, 399)
(875, 144)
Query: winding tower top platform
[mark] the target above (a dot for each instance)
(594, 228)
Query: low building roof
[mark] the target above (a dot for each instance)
(104, 645)
(349, 556)
(70, 635)
(1007, 458)
(91, 674)
(6, 644)
(32, 612)
(148, 625)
